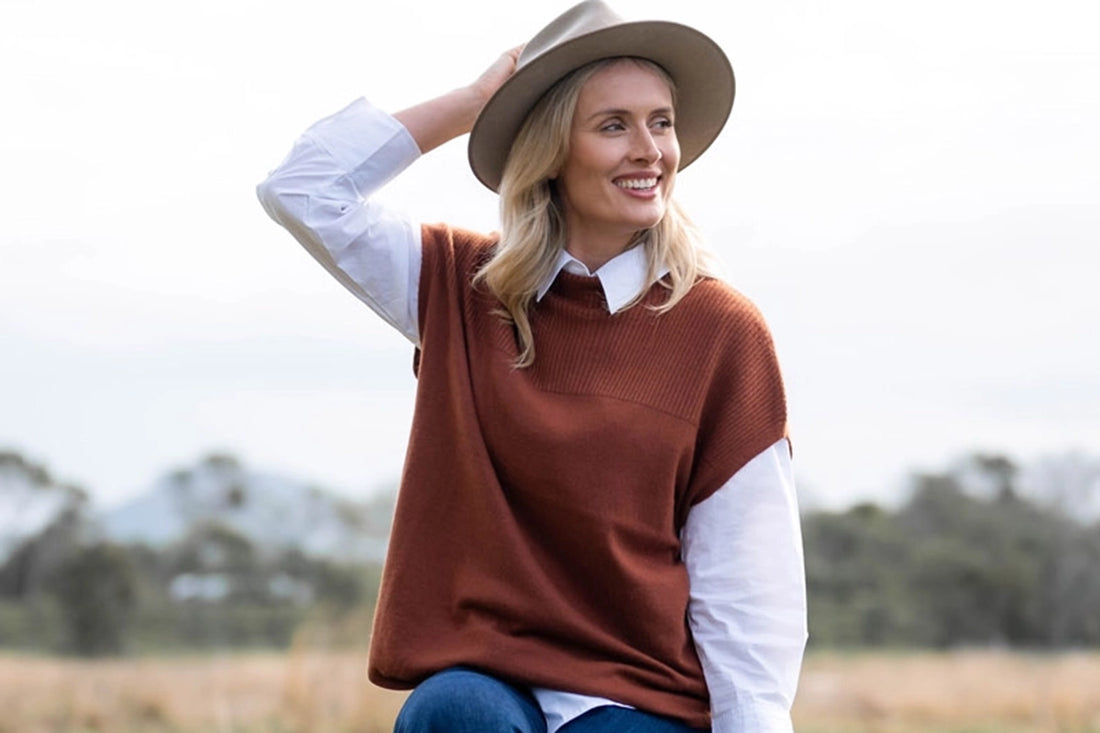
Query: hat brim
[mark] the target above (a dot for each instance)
(702, 73)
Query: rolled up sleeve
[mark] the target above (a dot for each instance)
(321, 193)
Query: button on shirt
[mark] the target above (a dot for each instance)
(742, 546)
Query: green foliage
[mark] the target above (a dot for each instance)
(95, 589)
(953, 568)
(31, 625)
(28, 569)
(968, 559)
(856, 594)
(59, 594)
(194, 625)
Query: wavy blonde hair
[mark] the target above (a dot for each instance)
(533, 220)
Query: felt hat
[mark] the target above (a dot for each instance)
(592, 31)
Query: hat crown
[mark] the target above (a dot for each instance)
(582, 19)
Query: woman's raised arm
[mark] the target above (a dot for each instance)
(438, 120)
(321, 192)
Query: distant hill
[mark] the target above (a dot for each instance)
(273, 512)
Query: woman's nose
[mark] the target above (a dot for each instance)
(645, 147)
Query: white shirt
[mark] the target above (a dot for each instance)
(742, 546)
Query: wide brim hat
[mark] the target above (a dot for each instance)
(592, 31)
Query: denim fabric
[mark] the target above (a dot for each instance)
(610, 719)
(463, 700)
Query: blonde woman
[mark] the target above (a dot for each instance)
(597, 527)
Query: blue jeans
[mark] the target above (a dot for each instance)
(464, 701)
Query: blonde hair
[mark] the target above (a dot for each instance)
(533, 220)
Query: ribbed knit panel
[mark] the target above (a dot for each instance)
(537, 529)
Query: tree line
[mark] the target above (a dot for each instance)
(63, 593)
(969, 558)
(953, 566)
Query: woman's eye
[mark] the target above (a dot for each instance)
(613, 127)
(664, 123)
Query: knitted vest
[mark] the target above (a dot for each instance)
(536, 535)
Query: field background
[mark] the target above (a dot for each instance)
(222, 631)
(322, 691)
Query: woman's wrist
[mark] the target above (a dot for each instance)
(444, 118)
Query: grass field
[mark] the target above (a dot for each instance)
(324, 692)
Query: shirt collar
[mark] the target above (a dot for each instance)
(622, 278)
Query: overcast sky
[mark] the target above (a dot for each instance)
(910, 192)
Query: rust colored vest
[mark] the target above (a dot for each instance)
(536, 534)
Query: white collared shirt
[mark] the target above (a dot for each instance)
(622, 277)
(742, 546)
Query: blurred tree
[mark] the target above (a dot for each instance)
(976, 563)
(27, 570)
(1069, 593)
(983, 552)
(1002, 472)
(95, 588)
(856, 579)
(968, 559)
(341, 586)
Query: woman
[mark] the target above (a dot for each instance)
(597, 527)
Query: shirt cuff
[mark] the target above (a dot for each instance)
(753, 716)
(366, 142)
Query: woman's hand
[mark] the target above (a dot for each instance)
(438, 120)
(495, 76)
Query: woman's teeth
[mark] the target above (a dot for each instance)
(636, 183)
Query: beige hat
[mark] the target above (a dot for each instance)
(591, 31)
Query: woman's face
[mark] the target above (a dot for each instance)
(623, 155)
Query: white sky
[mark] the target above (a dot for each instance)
(910, 191)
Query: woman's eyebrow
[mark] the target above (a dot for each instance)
(623, 112)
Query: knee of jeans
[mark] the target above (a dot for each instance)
(463, 700)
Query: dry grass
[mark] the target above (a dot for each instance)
(960, 692)
(239, 693)
(325, 692)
